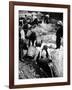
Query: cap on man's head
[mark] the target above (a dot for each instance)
(48, 15)
(60, 23)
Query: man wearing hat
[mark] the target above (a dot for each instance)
(59, 34)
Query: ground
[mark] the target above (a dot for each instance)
(29, 69)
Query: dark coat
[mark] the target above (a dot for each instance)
(59, 32)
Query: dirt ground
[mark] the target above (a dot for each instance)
(29, 68)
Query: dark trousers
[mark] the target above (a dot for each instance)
(58, 41)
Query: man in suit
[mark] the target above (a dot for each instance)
(59, 34)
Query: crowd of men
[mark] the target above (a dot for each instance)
(30, 46)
